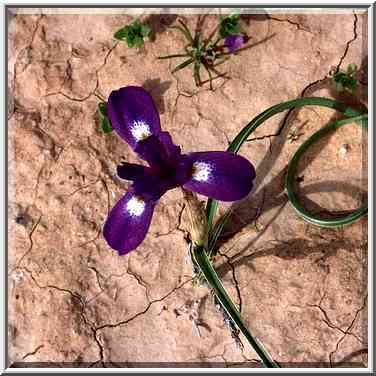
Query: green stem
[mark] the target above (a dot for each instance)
(202, 260)
(291, 170)
(212, 205)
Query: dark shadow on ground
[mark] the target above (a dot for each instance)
(159, 23)
(157, 89)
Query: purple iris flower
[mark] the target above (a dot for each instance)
(221, 175)
(235, 41)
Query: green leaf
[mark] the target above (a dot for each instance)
(106, 125)
(351, 68)
(133, 34)
(102, 108)
(184, 32)
(202, 260)
(104, 119)
(212, 205)
(145, 30)
(187, 32)
(137, 41)
(346, 80)
(229, 25)
(122, 33)
(218, 229)
(182, 65)
(172, 56)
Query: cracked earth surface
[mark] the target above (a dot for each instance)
(302, 290)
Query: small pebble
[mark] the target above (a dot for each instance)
(344, 149)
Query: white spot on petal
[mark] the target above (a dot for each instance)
(201, 171)
(140, 130)
(136, 206)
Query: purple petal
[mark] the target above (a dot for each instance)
(154, 184)
(171, 149)
(235, 41)
(128, 222)
(133, 114)
(153, 151)
(131, 171)
(221, 175)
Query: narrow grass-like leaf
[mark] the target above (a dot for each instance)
(187, 35)
(187, 31)
(172, 56)
(210, 76)
(211, 36)
(196, 72)
(203, 261)
(182, 65)
(218, 229)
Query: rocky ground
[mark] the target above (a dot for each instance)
(302, 289)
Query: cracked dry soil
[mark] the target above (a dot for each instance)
(72, 301)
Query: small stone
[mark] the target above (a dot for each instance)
(345, 148)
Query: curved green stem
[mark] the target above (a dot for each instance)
(291, 170)
(212, 205)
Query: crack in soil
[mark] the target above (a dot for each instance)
(347, 330)
(311, 85)
(96, 87)
(81, 300)
(97, 275)
(32, 352)
(330, 324)
(139, 280)
(31, 243)
(286, 20)
(236, 282)
(355, 36)
(124, 322)
(27, 48)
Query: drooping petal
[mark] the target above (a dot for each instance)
(162, 155)
(128, 222)
(131, 171)
(221, 175)
(133, 114)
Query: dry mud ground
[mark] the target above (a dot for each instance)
(302, 289)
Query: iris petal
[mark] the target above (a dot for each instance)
(133, 114)
(131, 171)
(221, 175)
(128, 222)
(235, 41)
(152, 151)
(171, 149)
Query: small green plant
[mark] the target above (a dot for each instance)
(345, 80)
(229, 25)
(209, 53)
(134, 33)
(103, 117)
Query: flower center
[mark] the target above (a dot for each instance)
(201, 171)
(140, 130)
(136, 206)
